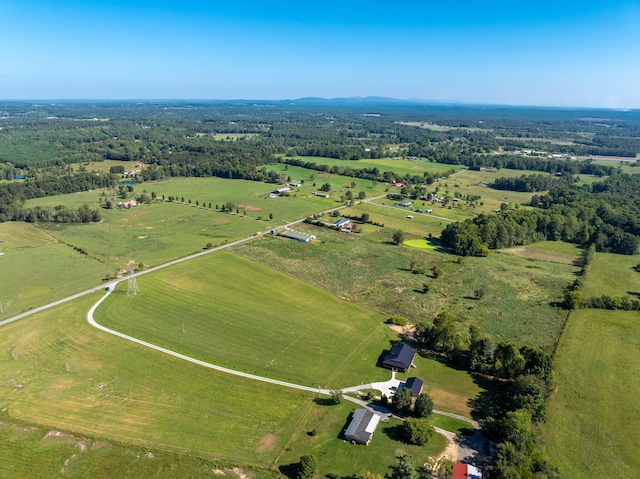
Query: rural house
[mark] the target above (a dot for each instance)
(362, 426)
(414, 385)
(344, 223)
(128, 204)
(400, 357)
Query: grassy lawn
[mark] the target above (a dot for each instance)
(593, 417)
(35, 269)
(343, 458)
(242, 315)
(613, 274)
(370, 272)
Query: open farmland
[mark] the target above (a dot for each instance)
(236, 313)
(154, 234)
(401, 167)
(60, 372)
(613, 274)
(553, 251)
(593, 419)
(36, 269)
(369, 271)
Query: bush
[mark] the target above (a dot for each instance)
(416, 431)
(307, 467)
(398, 320)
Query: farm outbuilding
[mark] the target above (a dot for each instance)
(281, 191)
(466, 471)
(298, 235)
(361, 427)
(400, 357)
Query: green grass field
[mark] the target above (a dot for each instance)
(242, 315)
(401, 167)
(35, 269)
(59, 372)
(593, 417)
(612, 274)
(371, 272)
(115, 398)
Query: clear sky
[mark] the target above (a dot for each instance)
(553, 53)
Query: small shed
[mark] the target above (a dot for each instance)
(361, 427)
(281, 191)
(400, 357)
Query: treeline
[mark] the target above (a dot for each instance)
(57, 214)
(371, 173)
(12, 195)
(606, 214)
(530, 183)
(512, 417)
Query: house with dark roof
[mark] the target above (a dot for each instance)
(400, 357)
(362, 426)
(414, 385)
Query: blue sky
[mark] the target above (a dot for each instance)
(551, 53)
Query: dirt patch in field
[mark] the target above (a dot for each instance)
(249, 208)
(267, 443)
(542, 255)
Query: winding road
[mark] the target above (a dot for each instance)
(387, 387)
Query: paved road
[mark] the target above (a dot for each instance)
(387, 387)
(112, 284)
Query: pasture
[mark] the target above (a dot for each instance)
(401, 167)
(102, 392)
(154, 234)
(593, 419)
(553, 251)
(613, 274)
(35, 269)
(237, 313)
(58, 371)
(517, 305)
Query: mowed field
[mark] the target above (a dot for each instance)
(36, 269)
(237, 313)
(594, 415)
(613, 274)
(66, 377)
(58, 371)
(371, 272)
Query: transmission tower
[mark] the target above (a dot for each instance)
(132, 283)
